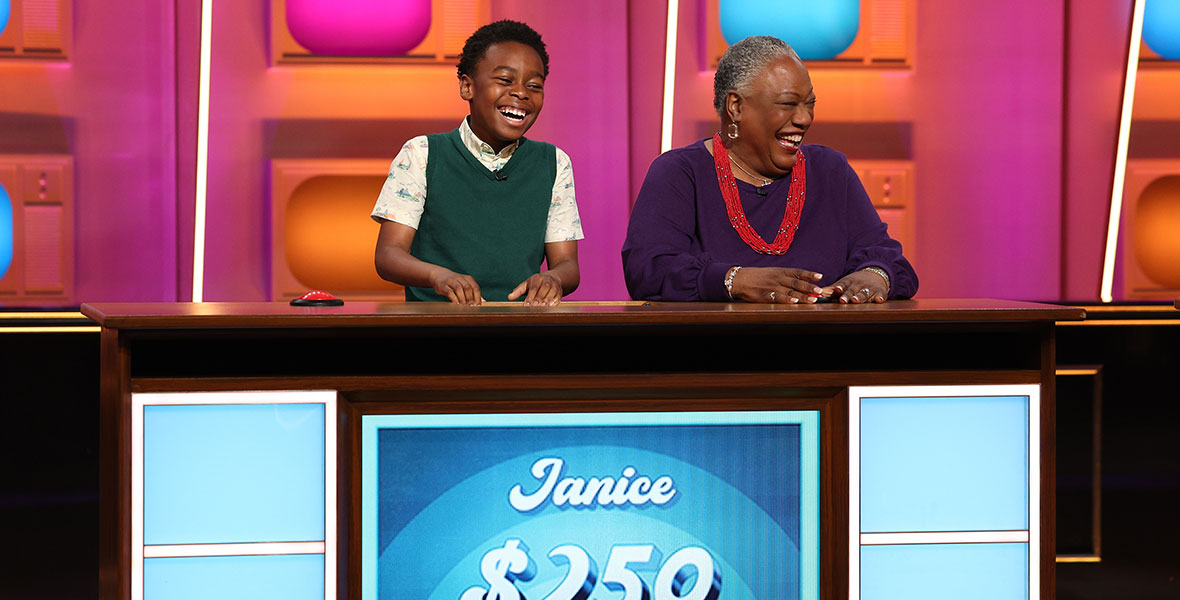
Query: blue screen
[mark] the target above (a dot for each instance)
(591, 508)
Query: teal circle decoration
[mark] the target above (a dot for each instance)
(816, 29)
(1161, 28)
(6, 234)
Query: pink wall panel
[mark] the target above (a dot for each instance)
(111, 107)
(585, 114)
(125, 151)
(1096, 63)
(988, 90)
(241, 90)
(646, 86)
(187, 44)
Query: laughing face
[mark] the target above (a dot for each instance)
(773, 117)
(506, 91)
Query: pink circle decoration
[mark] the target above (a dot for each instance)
(358, 27)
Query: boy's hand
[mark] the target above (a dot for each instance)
(544, 289)
(460, 289)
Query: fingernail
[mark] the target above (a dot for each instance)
(818, 276)
(811, 299)
(794, 300)
(817, 291)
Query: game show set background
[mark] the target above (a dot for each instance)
(986, 134)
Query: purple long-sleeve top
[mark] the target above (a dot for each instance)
(680, 243)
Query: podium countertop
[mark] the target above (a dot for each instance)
(185, 315)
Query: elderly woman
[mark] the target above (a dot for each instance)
(753, 214)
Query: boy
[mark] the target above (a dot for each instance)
(470, 214)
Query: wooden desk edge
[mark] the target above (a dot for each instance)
(277, 314)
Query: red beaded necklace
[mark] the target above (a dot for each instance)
(737, 216)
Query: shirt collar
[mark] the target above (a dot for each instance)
(480, 148)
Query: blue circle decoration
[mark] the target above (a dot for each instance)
(1161, 28)
(6, 234)
(816, 29)
(5, 10)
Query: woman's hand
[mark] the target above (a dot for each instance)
(776, 285)
(460, 289)
(859, 287)
(543, 289)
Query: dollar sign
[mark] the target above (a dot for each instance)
(500, 567)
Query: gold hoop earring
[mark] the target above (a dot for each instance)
(732, 131)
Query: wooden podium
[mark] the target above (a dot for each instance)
(578, 357)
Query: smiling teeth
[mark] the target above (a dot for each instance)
(794, 139)
(512, 113)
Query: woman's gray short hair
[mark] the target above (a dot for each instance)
(742, 62)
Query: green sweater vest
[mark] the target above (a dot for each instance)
(475, 224)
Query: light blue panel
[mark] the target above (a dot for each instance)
(288, 577)
(941, 571)
(233, 473)
(6, 231)
(1161, 27)
(816, 29)
(5, 11)
(944, 464)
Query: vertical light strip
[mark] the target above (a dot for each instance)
(1120, 160)
(202, 153)
(669, 74)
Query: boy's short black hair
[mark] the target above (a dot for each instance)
(494, 33)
